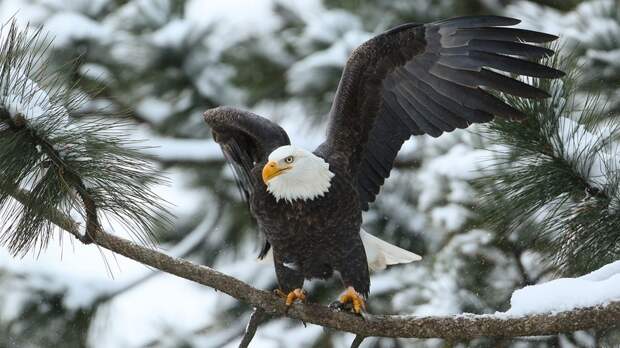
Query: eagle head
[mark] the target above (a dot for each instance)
(294, 173)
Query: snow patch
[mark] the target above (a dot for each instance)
(308, 72)
(232, 21)
(155, 110)
(172, 35)
(168, 149)
(68, 27)
(23, 97)
(596, 288)
(450, 217)
(460, 162)
(575, 143)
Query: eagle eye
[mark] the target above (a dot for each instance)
(289, 159)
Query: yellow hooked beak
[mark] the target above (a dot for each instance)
(272, 169)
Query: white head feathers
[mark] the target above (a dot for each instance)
(296, 174)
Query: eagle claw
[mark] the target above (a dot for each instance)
(354, 298)
(291, 297)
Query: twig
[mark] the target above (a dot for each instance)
(74, 180)
(516, 253)
(257, 318)
(357, 341)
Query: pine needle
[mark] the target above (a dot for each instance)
(86, 167)
(556, 181)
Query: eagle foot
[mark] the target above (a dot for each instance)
(291, 297)
(354, 298)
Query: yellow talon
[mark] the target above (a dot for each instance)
(352, 296)
(291, 297)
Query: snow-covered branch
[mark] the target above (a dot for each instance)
(456, 327)
(463, 326)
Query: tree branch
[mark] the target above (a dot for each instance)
(357, 341)
(465, 326)
(456, 327)
(257, 318)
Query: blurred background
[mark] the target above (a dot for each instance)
(166, 61)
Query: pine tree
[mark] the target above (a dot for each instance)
(159, 64)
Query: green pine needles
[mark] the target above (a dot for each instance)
(556, 182)
(52, 164)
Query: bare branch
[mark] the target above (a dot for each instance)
(257, 318)
(456, 327)
(357, 341)
(459, 327)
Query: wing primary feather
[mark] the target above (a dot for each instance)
(463, 36)
(420, 120)
(469, 114)
(408, 111)
(476, 60)
(477, 21)
(430, 78)
(425, 109)
(488, 79)
(474, 98)
(518, 49)
(434, 110)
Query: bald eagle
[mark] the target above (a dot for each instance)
(410, 80)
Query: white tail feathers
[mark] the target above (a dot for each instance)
(381, 254)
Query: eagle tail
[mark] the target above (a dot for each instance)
(381, 254)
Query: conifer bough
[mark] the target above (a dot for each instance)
(82, 167)
(34, 145)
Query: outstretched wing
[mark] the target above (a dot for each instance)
(246, 140)
(427, 79)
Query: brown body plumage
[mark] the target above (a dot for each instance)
(322, 235)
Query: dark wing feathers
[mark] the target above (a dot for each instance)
(478, 21)
(432, 78)
(389, 137)
(451, 37)
(489, 79)
(510, 48)
(475, 60)
(246, 139)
